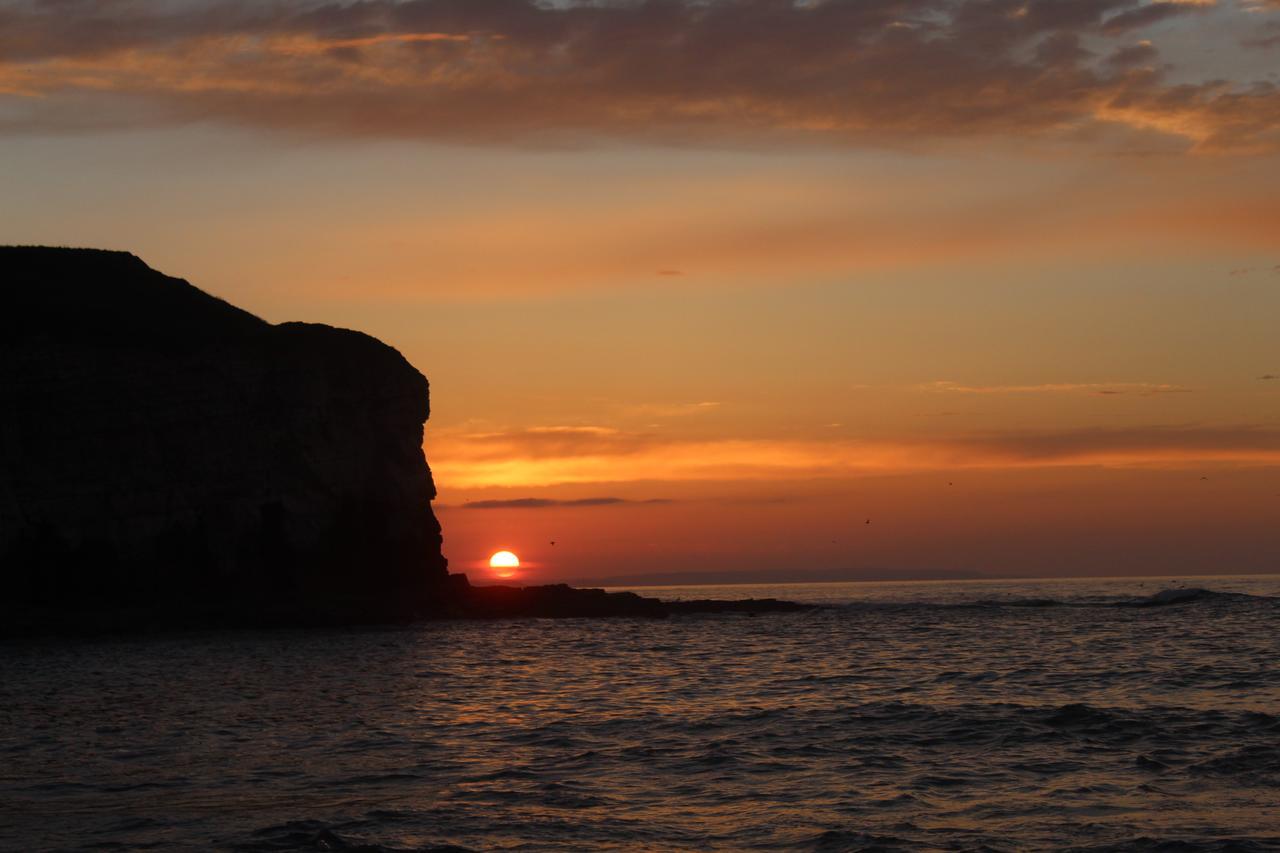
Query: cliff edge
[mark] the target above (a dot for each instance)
(167, 455)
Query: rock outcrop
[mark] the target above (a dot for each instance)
(165, 454)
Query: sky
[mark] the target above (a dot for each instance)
(759, 288)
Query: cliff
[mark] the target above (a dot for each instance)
(165, 454)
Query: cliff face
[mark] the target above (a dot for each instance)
(163, 451)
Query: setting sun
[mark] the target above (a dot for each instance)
(504, 564)
(504, 560)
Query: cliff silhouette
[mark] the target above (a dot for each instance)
(170, 460)
(162, 449)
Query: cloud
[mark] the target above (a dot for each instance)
(669, 410)
(1128, 446)
(847, 71)
(1142, 53)
(1146, 15)
(1269, 376)
(548, 442)
(1265, 36)
(546, 503)
(1106, 389)
(521, 458)
(764, 223)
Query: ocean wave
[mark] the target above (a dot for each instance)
(1170, 597)
(310, 835)
(1148, 844)
(1183, 595)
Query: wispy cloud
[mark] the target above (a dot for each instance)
(524, 458)
(773, 224)
(1105, 389)
(502, 70)
(549, 503)
(670, 410)
(1270, 39)
(541, 442)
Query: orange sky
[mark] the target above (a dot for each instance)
(703, 287)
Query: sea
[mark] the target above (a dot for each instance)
(1132, 714)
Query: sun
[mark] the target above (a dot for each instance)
(505, 562)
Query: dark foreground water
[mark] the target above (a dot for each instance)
(928, 716)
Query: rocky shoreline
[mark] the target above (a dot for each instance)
(559, 601)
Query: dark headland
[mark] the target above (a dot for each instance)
(170, 460)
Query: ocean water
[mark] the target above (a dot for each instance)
(1082, 715)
